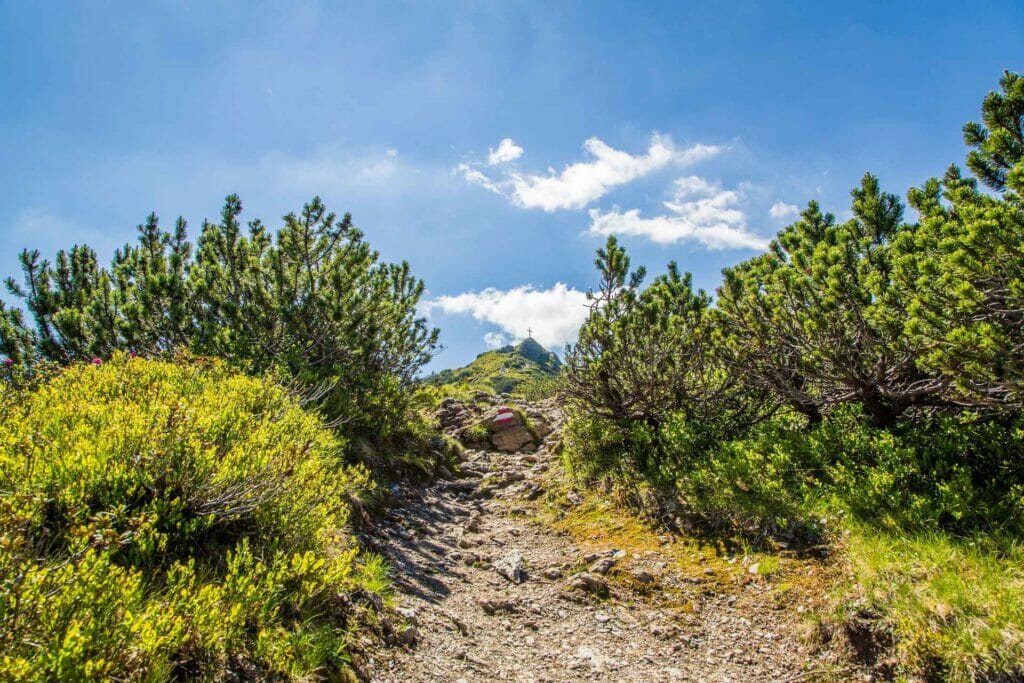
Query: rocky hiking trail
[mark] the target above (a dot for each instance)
(489, 589)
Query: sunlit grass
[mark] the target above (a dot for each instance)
(955, 607)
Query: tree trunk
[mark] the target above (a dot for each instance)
(881, 413)
(809, 410)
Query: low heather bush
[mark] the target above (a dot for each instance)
(163, 519)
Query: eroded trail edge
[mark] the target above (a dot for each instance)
(489, 588)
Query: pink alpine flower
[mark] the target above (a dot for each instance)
(97, 361)
(8, 362)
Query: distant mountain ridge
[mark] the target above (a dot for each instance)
(511, 369)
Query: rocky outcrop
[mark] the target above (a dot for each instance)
(508, 431)
(502, 423)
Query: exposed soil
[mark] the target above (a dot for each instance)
(489, 590)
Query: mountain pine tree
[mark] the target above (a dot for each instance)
(311, 301)
(819, 318)
(966, 264)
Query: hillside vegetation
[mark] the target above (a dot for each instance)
(525, 369)
(182, 435)
(858, 384)
(186, 431)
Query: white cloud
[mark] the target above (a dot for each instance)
(507, 151)
(554, 314)
(495, 340)
(475, 176)
(692, 184)
(583, 182)
(700, 212)
(780, 209)
(392, 152)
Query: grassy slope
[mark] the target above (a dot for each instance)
(954, 606)
(522, 369)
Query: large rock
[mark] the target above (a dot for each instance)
(503, 418)
(507, 430)
(511, 440)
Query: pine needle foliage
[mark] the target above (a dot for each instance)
(887, 358)
(818, 319)
(311, 300)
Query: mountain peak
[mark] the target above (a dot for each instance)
(511, 369)
(531, 348)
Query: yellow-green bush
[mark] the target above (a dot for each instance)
(171, 519)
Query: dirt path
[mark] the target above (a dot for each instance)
(492, 593)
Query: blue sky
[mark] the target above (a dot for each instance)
(690, 129)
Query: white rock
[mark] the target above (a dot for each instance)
(511, 567)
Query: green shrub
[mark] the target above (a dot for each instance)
(311, 300)
(644, 355)
(749, 487)
(171, 520)
(596, 448)
(945, 473)
(756, 486)
(965, 263)
(952, 473)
